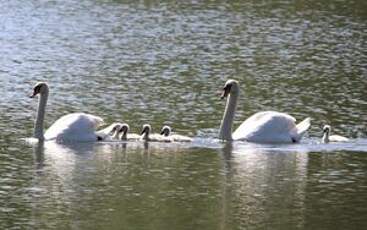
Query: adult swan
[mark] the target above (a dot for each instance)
(262, 127)
(74, 127)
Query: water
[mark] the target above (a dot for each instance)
(163, 63)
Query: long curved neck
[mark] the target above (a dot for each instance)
(325, 137)
(225, 132)
(124, 136)
(146, 135)
(38, 125)
(116, 135)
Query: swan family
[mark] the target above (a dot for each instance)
(262, 127)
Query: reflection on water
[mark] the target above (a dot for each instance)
(160, 185)
(162, 63)
(286, 187)
(275, 188)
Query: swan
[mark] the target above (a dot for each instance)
(124, 129)
(110, 132)
(333, 138)
(78, 127)
(115, 131)
(262, 127)
(147, 136)
(166, 132)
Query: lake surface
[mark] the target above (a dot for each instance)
(163, 63)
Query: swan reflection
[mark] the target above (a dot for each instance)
(260, 178)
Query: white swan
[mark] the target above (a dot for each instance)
(262, 127)
(79, 127)
(147, 136)
(110, 132)
(326, 138)
(125, 136)
(115, 130)
(166, 132)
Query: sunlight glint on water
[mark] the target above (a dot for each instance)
(163, 63)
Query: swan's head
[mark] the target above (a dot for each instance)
(39, 88)
(231, 86)
(124, 128)
(146, 129)
(326, 129)
(166, 130)
(115, 127)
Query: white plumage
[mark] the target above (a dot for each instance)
(166, 133)
(326, 138)
(75, 127)
(270, 127)
(155, 137)
(262, 127)
(126, 136)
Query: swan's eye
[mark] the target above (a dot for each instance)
(226, 91)
(165, 132)
(227, 87)
(37, 89)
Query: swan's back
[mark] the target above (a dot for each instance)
(338, 138)
(268, 126)
(74, 127)
(158, 138)
(181, 138)
(133, 136)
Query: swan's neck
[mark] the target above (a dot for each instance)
(38, 125)
(124, 136)
(115, 135)
(325, 138)
(145, 135)
(225, 132)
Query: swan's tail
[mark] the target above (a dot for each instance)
(303, 126)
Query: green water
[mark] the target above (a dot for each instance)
(164, 63)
